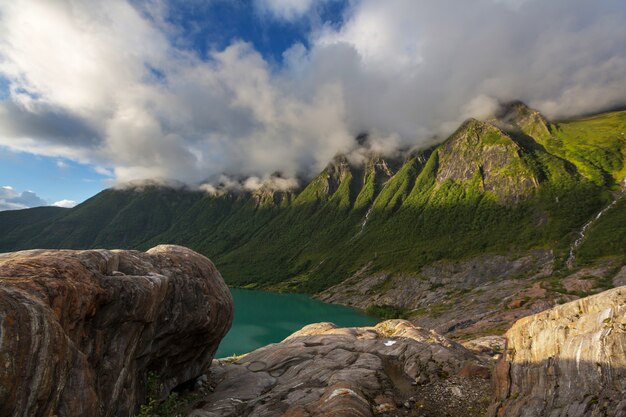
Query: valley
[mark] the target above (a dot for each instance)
(313, 208)
(103, 333)
(483, 221)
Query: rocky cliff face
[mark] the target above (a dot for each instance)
(517, 118)
(483, 153)
(79, 330)
(393, 369)
(567, 361)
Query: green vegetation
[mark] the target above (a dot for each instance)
(172, 406)
(484, 190)
(607, 237)
(595, 145)
(387, 312)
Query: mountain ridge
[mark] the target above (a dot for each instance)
(511, 183)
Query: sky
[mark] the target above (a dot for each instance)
(98, 94)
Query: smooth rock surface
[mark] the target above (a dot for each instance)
(393, 369)
(569, 361)
(79, 330)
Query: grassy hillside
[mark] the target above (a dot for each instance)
(606, 237)
(17, 226)
(513, 183)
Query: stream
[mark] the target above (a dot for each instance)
(571, 259)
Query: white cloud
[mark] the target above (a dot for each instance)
(419, 67)
(271, 183)
(65, 203)
(403, 70)
(10, 199)
(103, 171)
(515, 4)
(480, 107)
(285, 9)
(61, 164)
(225, 184)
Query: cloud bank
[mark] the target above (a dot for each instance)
(10, 199)
(103, 83)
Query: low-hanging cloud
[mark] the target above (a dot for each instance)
(110, 88)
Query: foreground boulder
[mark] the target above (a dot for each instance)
(393, 369)
(569, 361)
(79, 330)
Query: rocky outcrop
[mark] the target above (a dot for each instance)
(482, 153)
(79, 330)
(569, 361)
(516, 117)
(462, 299)
(620, 278)
(393, 369)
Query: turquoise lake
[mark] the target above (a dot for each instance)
(264, 317)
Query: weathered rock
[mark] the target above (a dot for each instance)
(591, 279)
(79, 330)
(492, 346)
(517, 118)
(394, 368)
(481, 152)
(567, 361)
(461, 299)
(572, 284)
(620, 278)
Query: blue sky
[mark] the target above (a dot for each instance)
(201, 27)
(216, 24)
(229, 92)
(52, 179)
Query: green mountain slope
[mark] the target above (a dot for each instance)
(512, 183)
(607, 236)
(17, 226)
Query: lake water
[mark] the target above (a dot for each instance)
(264, 317)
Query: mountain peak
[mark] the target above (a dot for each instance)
(482, 154)
(517, 117)
(476, 132)
(513, 107)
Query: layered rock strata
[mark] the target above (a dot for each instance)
(567, 361)
(80, 330)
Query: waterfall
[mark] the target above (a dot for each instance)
(571, 259)
(367, 215)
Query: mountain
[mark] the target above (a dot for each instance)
(510, 184)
